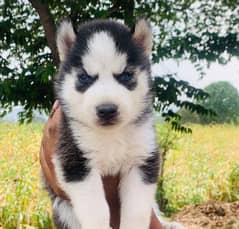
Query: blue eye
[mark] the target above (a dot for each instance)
(84, 81)
(125, 77)
(84, 78)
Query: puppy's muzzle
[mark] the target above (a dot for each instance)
(107, 114)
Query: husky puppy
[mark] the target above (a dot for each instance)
(104, 88)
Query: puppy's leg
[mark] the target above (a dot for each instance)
(86, 195)
(63, 215)
(88, 201)
(137, 190)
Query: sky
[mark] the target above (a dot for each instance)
(186, 71)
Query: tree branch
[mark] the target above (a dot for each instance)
(123, 9)
(129, 12)
(49, 27)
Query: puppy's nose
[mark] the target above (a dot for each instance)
(107, 111)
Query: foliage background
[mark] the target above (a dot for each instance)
(200, 31)
(224, 100)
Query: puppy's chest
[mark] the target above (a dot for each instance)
(117, 152)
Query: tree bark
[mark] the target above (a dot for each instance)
(49, 27)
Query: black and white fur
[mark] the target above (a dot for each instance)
(105, 63)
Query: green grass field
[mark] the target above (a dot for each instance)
(201, 166)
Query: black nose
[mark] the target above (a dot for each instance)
(107, 111)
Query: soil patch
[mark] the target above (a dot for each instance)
(210, 215)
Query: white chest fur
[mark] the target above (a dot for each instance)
(116, 150)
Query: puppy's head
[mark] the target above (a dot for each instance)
(105, 72)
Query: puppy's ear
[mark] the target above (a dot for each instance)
(142, 34)
(65, 38)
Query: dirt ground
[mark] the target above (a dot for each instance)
(210, 215)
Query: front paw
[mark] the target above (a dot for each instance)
(94, 218)
(172, 225)
(95, 223)
(135, 222)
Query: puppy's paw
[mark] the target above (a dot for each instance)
(94, 217)
(99, 223)
(172, 225)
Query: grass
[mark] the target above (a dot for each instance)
(201, 166)
(23, 204)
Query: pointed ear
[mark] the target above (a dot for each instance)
(65, 39)
(142, 34)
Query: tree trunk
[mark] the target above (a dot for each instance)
(49, 27)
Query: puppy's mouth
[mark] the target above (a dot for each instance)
(108, 122)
